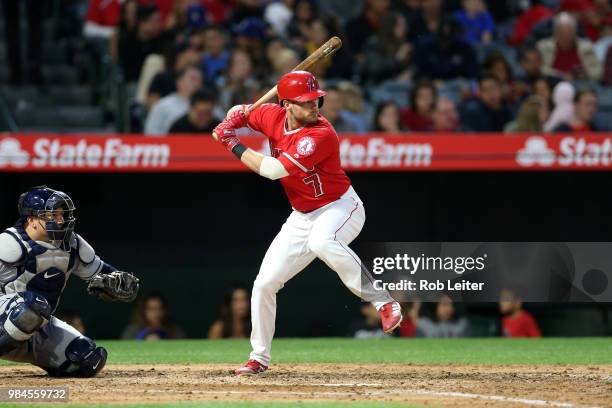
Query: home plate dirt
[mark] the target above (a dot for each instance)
(432, 385)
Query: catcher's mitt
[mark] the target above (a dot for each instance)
(122, 286)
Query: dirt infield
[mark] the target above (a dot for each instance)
(432, 385)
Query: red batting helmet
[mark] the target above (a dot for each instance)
(299, 86)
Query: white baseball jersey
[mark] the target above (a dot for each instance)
(28, 265)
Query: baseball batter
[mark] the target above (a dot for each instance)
(327, 212)
(37, 256)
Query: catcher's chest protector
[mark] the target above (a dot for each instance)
(42, 268)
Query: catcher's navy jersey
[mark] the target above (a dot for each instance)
(37, 266)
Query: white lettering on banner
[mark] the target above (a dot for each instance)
(572, 152)
(380, 154)
(112, 152)
(580, 153)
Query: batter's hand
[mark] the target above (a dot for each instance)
(227, 136)
(225, 132)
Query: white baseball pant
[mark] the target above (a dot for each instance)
(324, 233)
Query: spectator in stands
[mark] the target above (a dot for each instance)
(431, 21)
(366, 24)
(249, 37)
(585, 108)
(516, 322)
(487, 112)
(190, 48)
(283, 61)
(567, 56)
(151, 321)
(234, 321)
(594, 17)
(216, 55)
(367, 327)
(605, 40)
(278, 15)
(304, 13)
(477, 22)
(353, 104)
(185, 16)
(498, 66)
(445, 117)
(128, 20)
(445, 55)
(530, 60)
(137, 43)
(607, 78)
(171, 107)
(523, 26)
(164, 82)
(73, 319)
(388, 52)
(102, 18)
(200, 118)
(445, 322)
(542, 88)
(342, 64)
(563, 98)
(333, 111)
(411, 311)
(238, 84)
(387, 118)
(12, 32)
(408, 8)
(418, 117)
(530, 118)
(246, 9)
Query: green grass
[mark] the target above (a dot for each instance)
(415, 351)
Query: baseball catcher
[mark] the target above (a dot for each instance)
(327, 212)
(37, 256)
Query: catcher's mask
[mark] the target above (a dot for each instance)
(54, 208)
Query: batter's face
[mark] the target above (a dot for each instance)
(305, 113)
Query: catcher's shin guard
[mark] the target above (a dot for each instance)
(84, 359)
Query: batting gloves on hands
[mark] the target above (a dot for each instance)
(226, 130)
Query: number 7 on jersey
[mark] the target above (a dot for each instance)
(317, 186)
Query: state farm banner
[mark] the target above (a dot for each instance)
(371, 152)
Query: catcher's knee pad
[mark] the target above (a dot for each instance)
(23, 319)
(87, 359)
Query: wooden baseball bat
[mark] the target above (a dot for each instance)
(332, 45)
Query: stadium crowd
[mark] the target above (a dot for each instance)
(405, 65)
(151, 319)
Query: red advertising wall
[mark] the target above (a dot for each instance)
(371, 152)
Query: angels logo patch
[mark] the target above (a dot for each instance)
(306, 146)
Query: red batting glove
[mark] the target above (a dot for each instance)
(226, 130)
(237, 119)
(226, 135)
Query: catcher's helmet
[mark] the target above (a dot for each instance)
(39, 202)
(299, 86)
